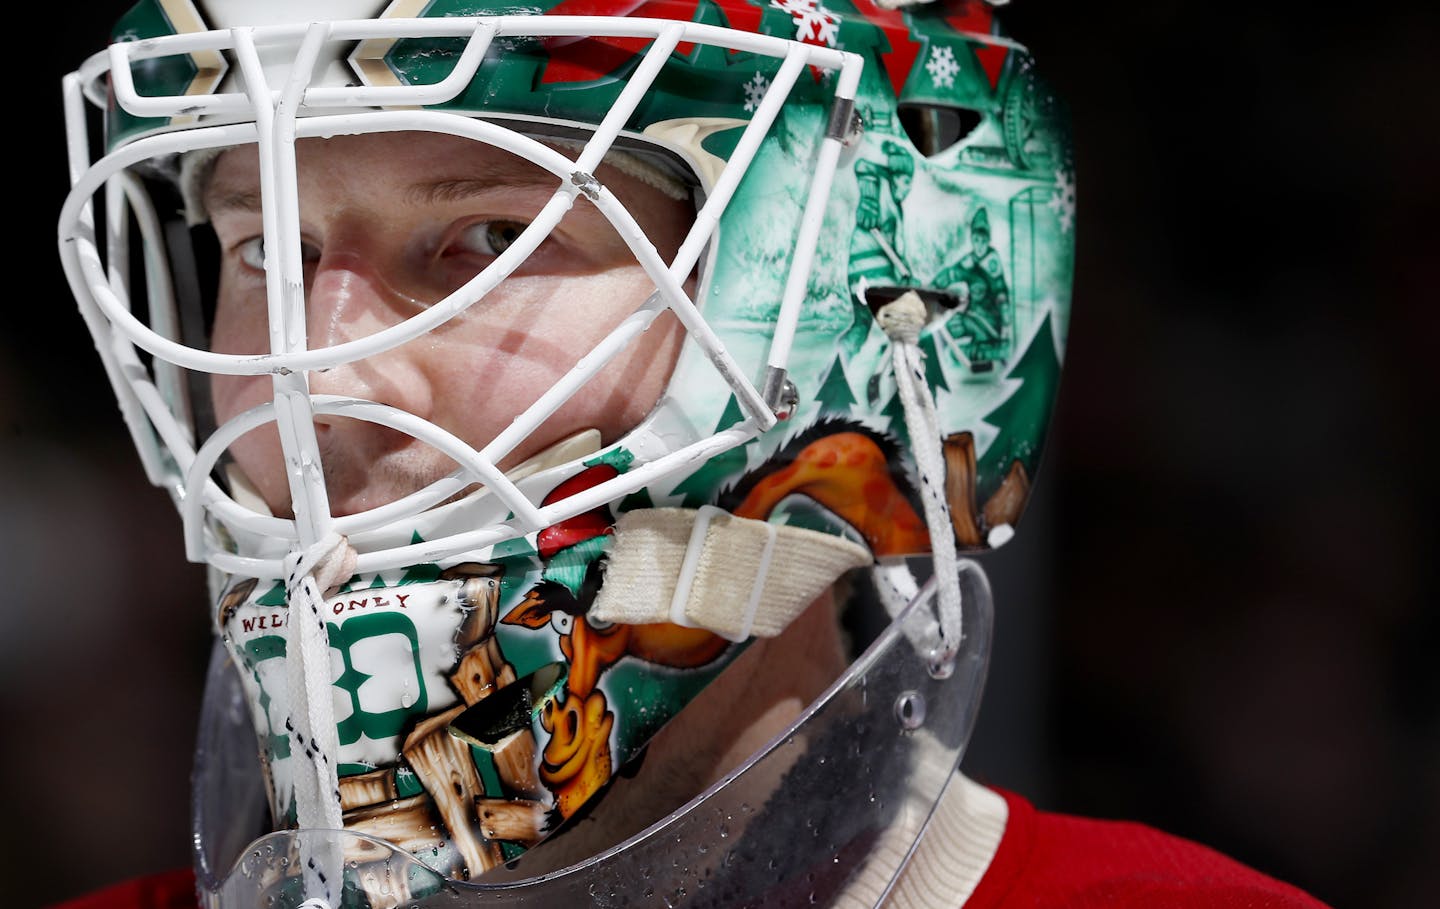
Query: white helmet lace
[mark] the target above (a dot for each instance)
(310, 720)
(902, 319)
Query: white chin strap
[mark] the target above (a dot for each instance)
(710, 569)
(707, 568)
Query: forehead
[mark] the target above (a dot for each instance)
(422, 166)
(381, 159)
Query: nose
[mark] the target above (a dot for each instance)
(350, 297)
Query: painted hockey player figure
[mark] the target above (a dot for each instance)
(877, 251)
(877, 248)
(982, 321)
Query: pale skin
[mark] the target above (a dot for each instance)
(394, 222)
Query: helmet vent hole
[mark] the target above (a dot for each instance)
(933, 128)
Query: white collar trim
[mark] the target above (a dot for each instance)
(953, 853)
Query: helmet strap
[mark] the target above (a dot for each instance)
(710, 569)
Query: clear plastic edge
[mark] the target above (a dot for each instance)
(835, 804)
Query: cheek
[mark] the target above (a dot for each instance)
(233, 395)
(499, 362)
(256, 453)
(625, 392)
(240, 317)
(544, 326)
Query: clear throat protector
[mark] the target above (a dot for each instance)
(833, 806)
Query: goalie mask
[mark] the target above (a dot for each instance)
(513, 369)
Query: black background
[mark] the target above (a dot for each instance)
(1219, 618)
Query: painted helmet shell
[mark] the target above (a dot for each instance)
(907, 150)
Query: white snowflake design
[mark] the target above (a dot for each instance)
(814, 24)
(755, 91)
(942, 67)
(1063, 202)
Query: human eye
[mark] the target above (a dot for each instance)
(486, 238)
(251, 253)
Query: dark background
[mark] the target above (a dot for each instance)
(1218, 618)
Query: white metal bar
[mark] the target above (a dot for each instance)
(479, 469)
(679, 302)
(798, 279)
(708, 218)
(387, 338)
(77, 249)
(294, 406)
(600, 494)
(457, 449)
(158, 283)
(117, 234)
(630, 97)
(122, 55)
(473, 541)
(284, 286)
(586, 368)
(437, 93)
(131, 101)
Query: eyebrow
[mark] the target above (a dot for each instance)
(499, 177)
(454, 189)
(241, 200)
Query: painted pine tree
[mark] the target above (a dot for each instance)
(934, 372)
(1024, 416)
(834, 395)
(423, 573)
(894, 411)
(699, 488)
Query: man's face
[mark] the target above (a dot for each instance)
(392, 223)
